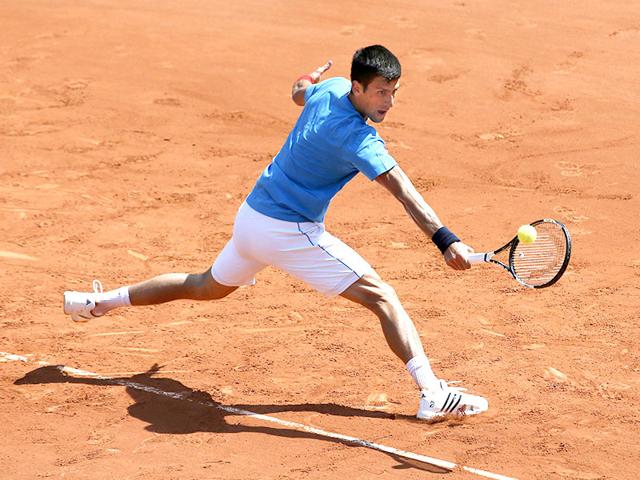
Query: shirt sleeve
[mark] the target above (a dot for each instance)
(371, 156)
(311, 89)
(328, 84)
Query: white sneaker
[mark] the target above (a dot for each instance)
(449, 401)
(80, 304)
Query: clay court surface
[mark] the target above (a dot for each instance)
(130, 132)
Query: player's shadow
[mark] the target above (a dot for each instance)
(170, 407)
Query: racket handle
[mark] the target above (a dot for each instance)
(478, 258)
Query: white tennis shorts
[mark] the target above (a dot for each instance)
(305, 250)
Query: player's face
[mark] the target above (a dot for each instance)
(375, 101)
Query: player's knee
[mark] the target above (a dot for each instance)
(382, 297)
(204, 287)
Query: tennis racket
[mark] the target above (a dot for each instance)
(538, 264)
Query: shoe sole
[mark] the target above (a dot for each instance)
(437, 417)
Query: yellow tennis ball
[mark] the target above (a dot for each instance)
(527, 234)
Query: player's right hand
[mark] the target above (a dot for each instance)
(457, 256)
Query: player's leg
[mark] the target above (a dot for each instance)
(333, 268)
(178, 286)
(398, 328)
(379, 297)
(437, 398)
(230, 271)
(156, 290)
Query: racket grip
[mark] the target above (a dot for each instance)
(478, 258)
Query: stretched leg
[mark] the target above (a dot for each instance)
(176, 286)
(160, 289)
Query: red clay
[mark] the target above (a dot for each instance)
(131, 134)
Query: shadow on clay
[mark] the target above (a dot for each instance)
(190, 411)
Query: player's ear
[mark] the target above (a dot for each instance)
(356, 87)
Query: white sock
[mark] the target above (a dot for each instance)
(420, 369)
(112, 299)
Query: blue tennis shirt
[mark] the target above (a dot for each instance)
(329, 144)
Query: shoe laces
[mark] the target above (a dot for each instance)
(97, 286)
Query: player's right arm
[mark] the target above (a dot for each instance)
(401, 187)
(300, 85)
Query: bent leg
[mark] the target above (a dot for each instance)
(399, 331)
(437, 399)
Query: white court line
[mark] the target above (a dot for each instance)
(110, 334)
(6, 357)
(16, 256)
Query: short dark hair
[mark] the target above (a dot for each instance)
(374, 61)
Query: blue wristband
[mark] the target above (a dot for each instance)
(443, 238)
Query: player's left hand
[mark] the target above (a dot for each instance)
(317, 73)
(457, 255)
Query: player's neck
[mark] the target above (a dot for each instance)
(353, 101)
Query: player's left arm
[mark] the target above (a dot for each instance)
(398, 183)
(302, 83)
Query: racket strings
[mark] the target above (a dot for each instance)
(539, 262)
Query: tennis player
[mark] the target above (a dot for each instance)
(281, 222)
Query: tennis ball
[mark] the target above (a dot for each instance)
(527, 234)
